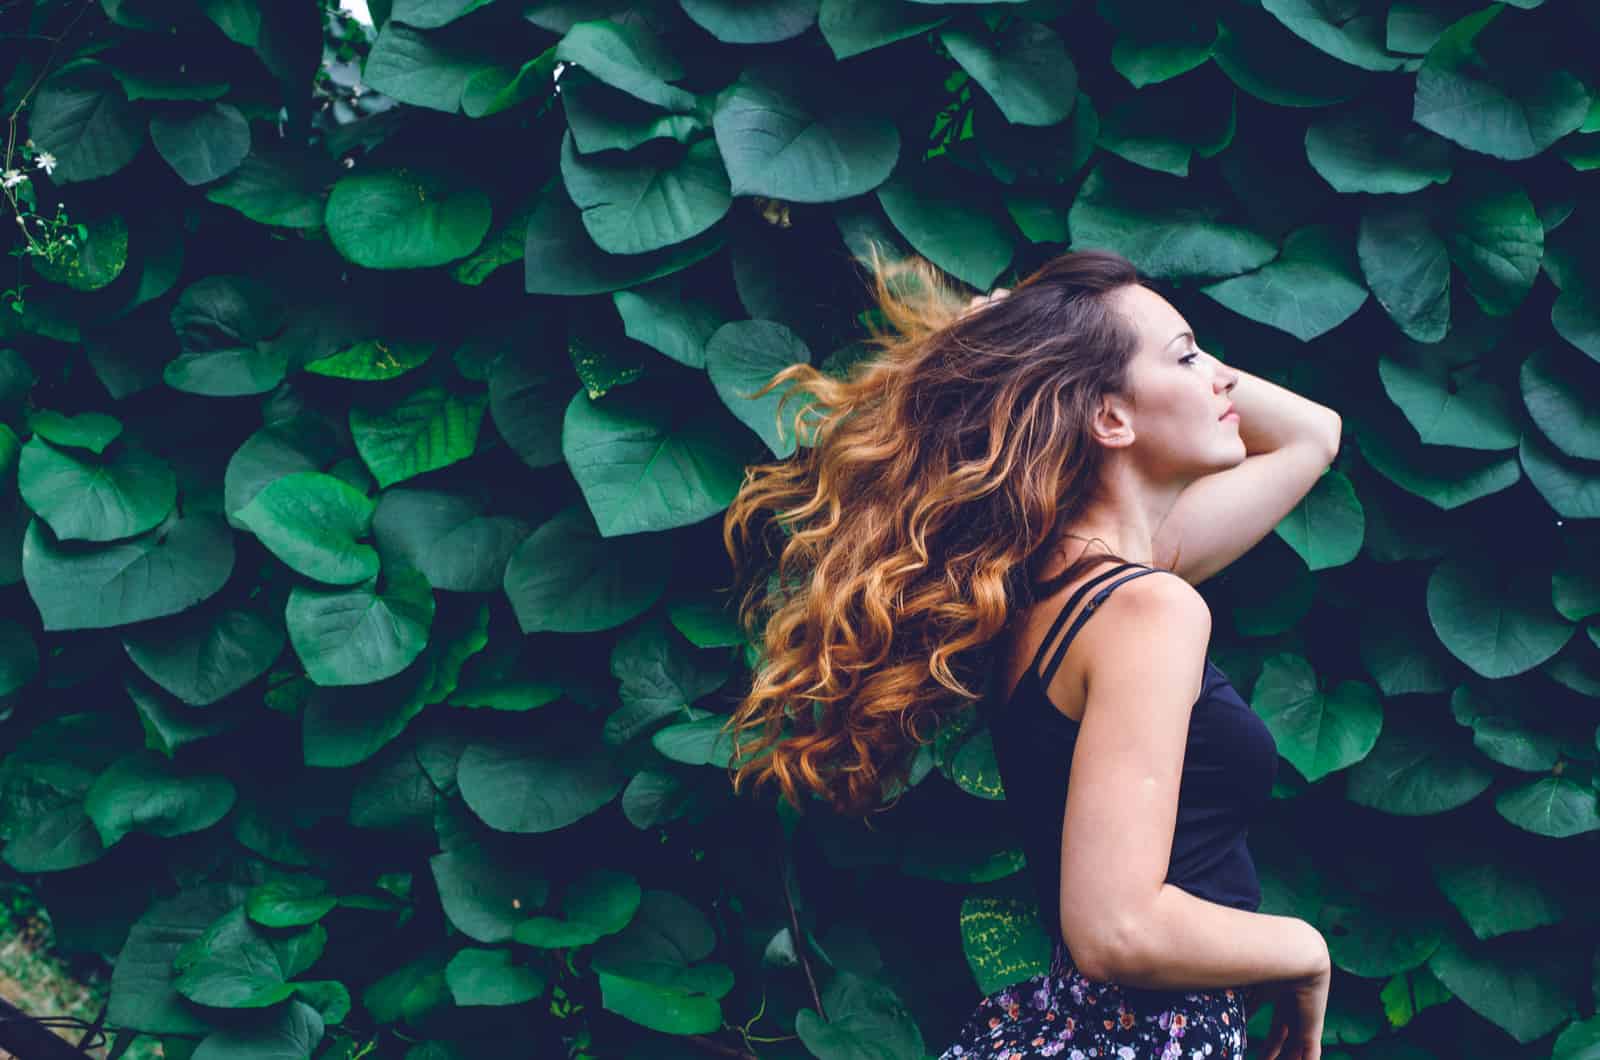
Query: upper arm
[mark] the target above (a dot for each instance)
(1144, 669)
(1219, 517)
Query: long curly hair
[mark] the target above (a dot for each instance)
(911, 527)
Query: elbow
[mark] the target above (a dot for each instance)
(1334, 436)
(1107, 954)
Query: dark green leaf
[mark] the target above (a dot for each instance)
(231, 965)
(430, 14)
(1449, 392)
(225, 325)
(205, 655)
(1002, 938)
(362, 634)
(277, 184)
(631, 206)
(313, 522)
(447, 537)
(1488, 87)
(1446, 477)
(1496, 898)
(538, 788)
(1498, 622)
(429, 429)
(142, 994)
(1369, 149)
(601, 902)
(372, 359)
(290, 902)
(752, 21)
(1412, 772)
(1495, 239)
(645, 462)
(854, 26)
(1262, 57)
(85, 498)
(148, 794)
(741, 357)
(776, 143)
(627, 56)
(288, 1033)
(1160, 225)
(81, 116)
(863, 1015)
(1024, 67)
(1550, 806)
(1351, 33)
(1327, 527)
(971, 241)
(566, 578)
(560, 258)
(1310, 289)
(204, 144)
(1317, 732)
(1519, 983)
(406, 218)
(1407, 266)
(89, 430)
(1571, 487)
(602, 118)
(488, 886)
(1555, 386)
(487, 977)
(160, 572)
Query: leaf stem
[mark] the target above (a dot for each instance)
(794, 920)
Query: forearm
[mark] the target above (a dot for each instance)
(1271, 416)
(1182, 942)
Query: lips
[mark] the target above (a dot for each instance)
(1226, 412)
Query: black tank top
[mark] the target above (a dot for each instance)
(1229, 764)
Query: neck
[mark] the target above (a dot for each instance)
(1123, 517)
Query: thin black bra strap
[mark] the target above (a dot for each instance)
(1066, 610)
(1098, 599)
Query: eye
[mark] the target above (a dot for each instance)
(1186, 358)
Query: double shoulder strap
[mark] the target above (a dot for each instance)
(1098, 598)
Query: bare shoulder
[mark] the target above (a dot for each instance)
(1164, 597)
(1157, 619)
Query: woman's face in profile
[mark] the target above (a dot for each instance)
(1179, 391)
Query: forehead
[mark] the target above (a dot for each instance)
(1155, 318)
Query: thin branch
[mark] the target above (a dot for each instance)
(25, 1036)
(794, 921)
(97, 1028)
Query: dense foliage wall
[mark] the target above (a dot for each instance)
(369, 406)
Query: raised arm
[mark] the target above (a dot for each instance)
(1145, 661)
(1290, 441)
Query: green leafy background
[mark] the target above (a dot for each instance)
(365, 641)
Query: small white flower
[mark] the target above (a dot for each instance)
(46, 161)
(13, 177)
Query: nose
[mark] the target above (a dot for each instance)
(1224, 378)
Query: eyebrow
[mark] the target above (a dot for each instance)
(1178, 336)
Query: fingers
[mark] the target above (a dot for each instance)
(984, 299)
(1275, 1041)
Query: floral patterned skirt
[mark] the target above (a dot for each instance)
(1061, 1013)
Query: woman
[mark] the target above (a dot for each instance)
(965, 489)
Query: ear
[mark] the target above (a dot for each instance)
(1112, 424)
